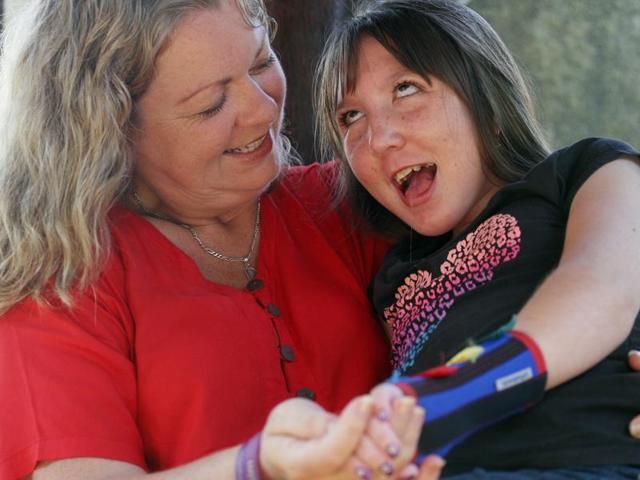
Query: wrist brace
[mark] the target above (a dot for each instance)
(479, 386)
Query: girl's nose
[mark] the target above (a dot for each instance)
(384, 134)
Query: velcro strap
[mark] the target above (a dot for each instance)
(478, 387)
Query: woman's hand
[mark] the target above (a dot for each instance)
(302, 441)
(634, 363)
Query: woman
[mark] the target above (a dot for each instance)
(433, 123)
(166, 281)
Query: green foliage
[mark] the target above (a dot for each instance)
(583, 58)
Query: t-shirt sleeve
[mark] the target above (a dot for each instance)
(67, 380)
(571, 166)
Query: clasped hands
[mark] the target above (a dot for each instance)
(374, 437)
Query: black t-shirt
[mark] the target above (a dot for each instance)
(436, 293)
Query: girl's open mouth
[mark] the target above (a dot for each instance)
(415, 181)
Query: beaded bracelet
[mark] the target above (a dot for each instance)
(248, 460)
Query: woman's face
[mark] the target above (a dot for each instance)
(206, 140)
(412, 144)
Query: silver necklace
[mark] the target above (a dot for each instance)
(249, 269)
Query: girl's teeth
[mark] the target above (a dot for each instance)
(247, 148)
(403, 175)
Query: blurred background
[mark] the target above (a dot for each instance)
(582, 57)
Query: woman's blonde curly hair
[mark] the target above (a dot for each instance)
(70, 74)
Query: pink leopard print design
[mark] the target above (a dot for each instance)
(423, 301)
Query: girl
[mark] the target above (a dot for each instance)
(506, 247)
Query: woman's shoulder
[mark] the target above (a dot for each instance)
(317, 177)
(311, 187)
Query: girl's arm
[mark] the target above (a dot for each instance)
(587, 305)
(580, 313)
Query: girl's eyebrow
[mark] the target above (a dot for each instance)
(396, 73)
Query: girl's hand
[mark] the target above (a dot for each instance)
(431, 468)
(406, 420)
(634, 363)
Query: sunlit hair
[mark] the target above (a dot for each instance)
(71, 72)
(443, 39)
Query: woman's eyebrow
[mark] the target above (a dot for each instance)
(224, 81)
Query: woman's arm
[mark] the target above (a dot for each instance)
(280, 452)
(587, 305)
(300, 441)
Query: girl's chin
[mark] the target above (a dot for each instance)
(424, 224)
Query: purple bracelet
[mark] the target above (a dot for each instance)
(248, 460)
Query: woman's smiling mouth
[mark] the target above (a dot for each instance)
(249, 148)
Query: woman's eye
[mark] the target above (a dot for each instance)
(271, 59)
(210, 112)
(349, 117)
(405, 89)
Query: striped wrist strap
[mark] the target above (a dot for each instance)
(478, 387)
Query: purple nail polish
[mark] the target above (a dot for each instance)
(386, 468)
(383, 415)
(393, 450)
(363, 473)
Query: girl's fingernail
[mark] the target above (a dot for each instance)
(383, 415)
(363, 473)
(634, 353)
(386, 468)
(634, 429)
(393, 450)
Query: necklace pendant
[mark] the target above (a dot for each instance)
(250, 271)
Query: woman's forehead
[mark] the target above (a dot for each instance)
(208, 46)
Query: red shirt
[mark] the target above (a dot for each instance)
(158, 366)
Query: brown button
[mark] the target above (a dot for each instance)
(306, 393)
(273, 310)
(286, 352)
(255, 284)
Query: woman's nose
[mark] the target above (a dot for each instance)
(259, 106)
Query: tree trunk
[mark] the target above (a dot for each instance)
(302, 28)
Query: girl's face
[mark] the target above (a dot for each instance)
(412, 144)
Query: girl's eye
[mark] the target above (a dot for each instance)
(271, 59)
(349, 117)
(210, 112)
(405, 89)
